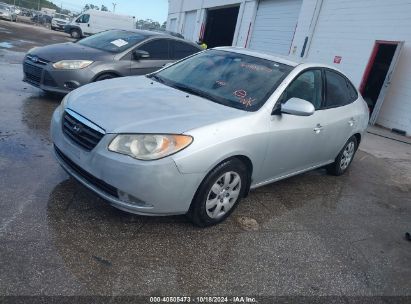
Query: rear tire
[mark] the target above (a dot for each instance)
(219, 193)
(75, 34)
(344, 158)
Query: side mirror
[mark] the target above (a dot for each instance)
(140, 54)
(298, 106)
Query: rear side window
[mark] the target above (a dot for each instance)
(181, 50)
(158, 49)
(338, 91)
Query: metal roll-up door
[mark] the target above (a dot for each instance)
(274, 26)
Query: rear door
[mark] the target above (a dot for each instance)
(159, 51)
(340, 112)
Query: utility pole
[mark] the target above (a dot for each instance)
(38, 6)
(114, 7)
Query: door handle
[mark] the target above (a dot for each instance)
(351, 122)
(318, 128)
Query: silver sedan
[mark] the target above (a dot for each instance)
(196, 136)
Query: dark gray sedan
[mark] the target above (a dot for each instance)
(66, 66)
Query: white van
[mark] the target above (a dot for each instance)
(93, 21)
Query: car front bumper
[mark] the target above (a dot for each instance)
(58, 26)
(140, 187)
(41, 74)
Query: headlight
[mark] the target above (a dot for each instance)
(71, 64)
(149, 146)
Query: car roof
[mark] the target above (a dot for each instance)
(288, 60)
(149, 34)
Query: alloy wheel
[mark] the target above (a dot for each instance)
(347, 155)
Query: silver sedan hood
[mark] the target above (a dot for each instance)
(141, 105)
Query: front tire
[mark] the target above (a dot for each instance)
(75, 34)
(219, 193)
(105, 76)
(344, 158)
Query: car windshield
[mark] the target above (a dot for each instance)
(235, 80)
(114, 41)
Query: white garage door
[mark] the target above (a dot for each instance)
(173, 25)
(274, 25)
(189, 25)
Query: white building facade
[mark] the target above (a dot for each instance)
(369, 40)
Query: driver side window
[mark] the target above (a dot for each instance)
(307, 86)
(83, 18)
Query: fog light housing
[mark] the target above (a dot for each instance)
(127, 198)
(71, 85)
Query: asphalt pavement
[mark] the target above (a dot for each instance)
(311, 235)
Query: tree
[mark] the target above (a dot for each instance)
(164, 25)
(104, 8)
(30, 4)
(91, 6)
(147, 24)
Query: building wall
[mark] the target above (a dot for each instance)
(246, 20)
(349, 29)
(305, 26)
(177, 9)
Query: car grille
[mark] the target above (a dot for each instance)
(32, 73)
(80, 133)
(98, 183)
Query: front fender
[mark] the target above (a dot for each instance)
(245, 136)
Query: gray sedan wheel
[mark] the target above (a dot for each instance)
(105, 76)
(219, 193)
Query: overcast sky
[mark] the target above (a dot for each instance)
(141, 9)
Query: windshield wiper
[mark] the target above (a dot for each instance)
(157, 78)
(192, 91)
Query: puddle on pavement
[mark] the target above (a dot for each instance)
(4, 30)
(22, 41)
(6, 45)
